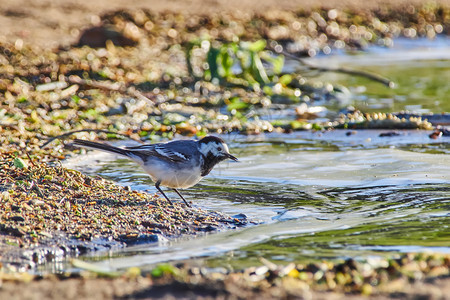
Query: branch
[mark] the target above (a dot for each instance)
(371, 76)
(106, 85)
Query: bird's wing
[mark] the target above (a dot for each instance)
(160, 151)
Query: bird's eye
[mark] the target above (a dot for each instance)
(220, 149)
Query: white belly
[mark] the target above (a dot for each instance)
(183, 179)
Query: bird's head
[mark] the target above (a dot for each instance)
(214, 147)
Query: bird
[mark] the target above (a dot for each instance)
(178, 164)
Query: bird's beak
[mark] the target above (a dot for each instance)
(231, 157)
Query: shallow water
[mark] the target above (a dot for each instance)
(311, 203)
(323, 195)
(420, 69)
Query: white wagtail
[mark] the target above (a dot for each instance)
(176, 164)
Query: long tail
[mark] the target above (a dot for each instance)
(104, 147)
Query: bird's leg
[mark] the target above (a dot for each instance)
(182, 197)
(157, 186)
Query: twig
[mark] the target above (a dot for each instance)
(14, 127)
(106, 85)
(371, 76)
(36, 187)
(134, 92)
(29, 157)
(62, 200)
(85, 130)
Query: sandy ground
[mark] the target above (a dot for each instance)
(144, 288)
(49, 23)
